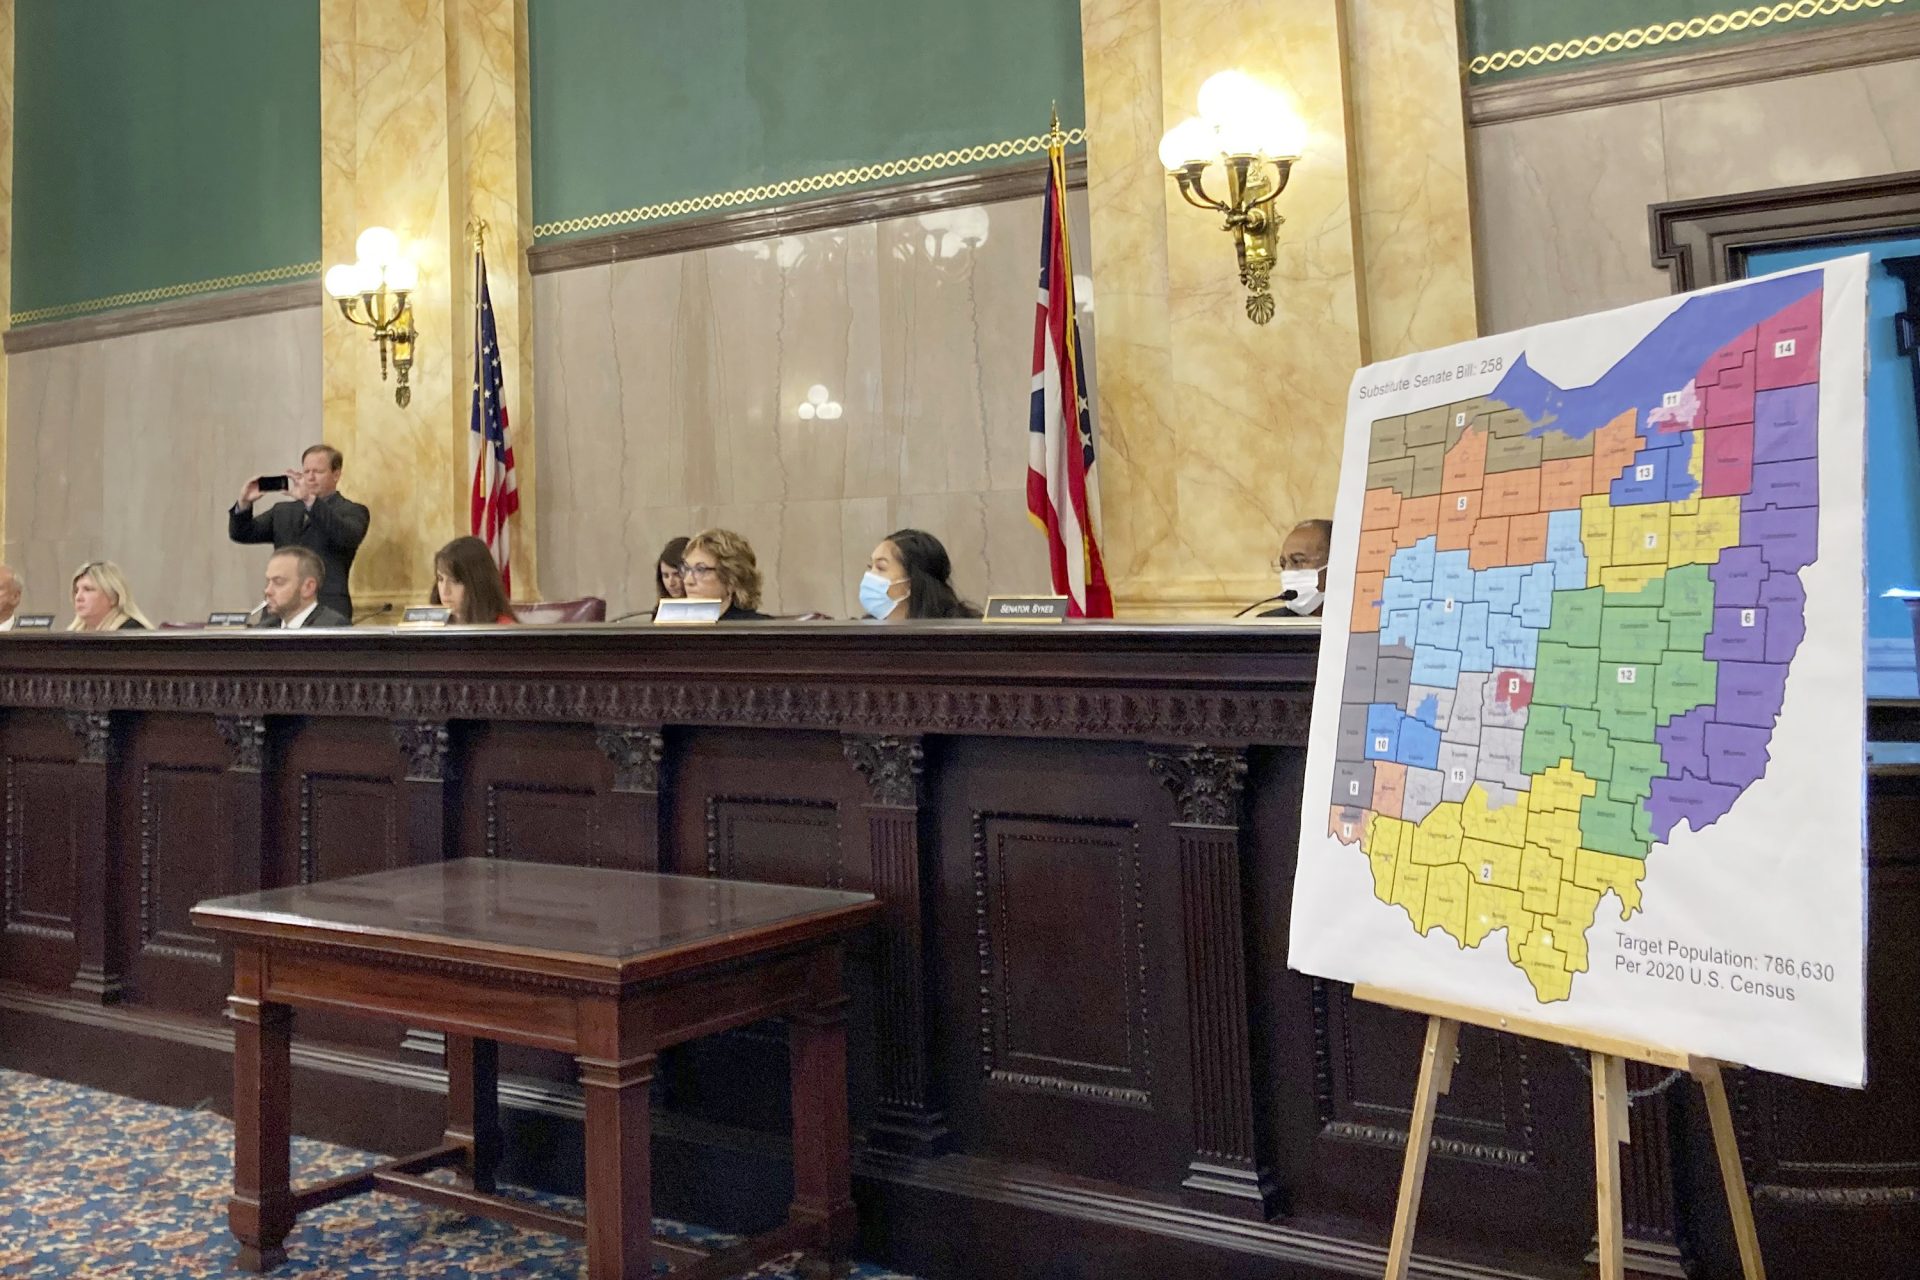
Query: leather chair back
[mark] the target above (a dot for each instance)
(585, 609)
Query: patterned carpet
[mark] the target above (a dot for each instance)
(95, 1185)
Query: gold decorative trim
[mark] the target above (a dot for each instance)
(269, 276)
(933, 163)
(1659, 33)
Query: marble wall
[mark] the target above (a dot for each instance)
(1560, 205)
(132, 448)
(668, 392)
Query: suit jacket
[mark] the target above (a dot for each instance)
(332, 529)
(320, 617)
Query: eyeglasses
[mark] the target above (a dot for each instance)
(698, 571)
(1297, 562)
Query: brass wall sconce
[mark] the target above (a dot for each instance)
(375, 293)
(1253, 135)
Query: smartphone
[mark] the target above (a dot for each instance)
(267, 483)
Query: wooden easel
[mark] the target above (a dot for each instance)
(1610, 1056)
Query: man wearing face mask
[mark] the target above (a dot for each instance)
(1302, 565)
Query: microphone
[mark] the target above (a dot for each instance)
(637, 613)
(374, 613)
(1282, 598)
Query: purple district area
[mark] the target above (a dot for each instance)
(1736, 754)
(1788, 538)
(1750, 693)
(1682, 742)
(1738, 575)
(1795, 483)
(1784, 423)
(1698, 802)
(1739, 634)
(1785, 602)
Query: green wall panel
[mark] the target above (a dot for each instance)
(1500, 26)
(640, 103)
(162, 142)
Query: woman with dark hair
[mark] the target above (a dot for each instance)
(467, 581)
(909, 577)
(667, 581)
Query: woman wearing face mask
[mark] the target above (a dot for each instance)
(909, 577)
(1302, 565)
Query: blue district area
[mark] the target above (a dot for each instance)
(1661, 361)
(1394, 735)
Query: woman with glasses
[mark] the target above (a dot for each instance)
(102, 600)
(718, 564)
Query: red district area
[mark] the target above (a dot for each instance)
(1512, 691)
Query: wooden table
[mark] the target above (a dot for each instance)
(610, 966)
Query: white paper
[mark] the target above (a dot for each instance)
(1709, 560)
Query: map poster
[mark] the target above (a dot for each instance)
(1589, 733)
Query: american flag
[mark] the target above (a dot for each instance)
(1063, 489)
(496, 495)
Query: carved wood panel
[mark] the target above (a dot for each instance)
(543, 822)
(781, 840)
(350, 824)
(1060, 922)
(183, 858)
(42, 849)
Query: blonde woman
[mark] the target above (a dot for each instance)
(102, 600)
(718, 564)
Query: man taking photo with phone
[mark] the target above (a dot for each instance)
(319, 518)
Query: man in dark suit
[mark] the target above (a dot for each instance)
(319, 518)
(294, 577)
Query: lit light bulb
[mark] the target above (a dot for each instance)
(378, 246)
(1232, 97)
(1191, 141)
(830, 410)
(342, 281)
(806, 411)
(366, 277)
(817, 394)
(403, 274)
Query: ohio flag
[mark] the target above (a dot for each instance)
(496, 496)
(1063, 489)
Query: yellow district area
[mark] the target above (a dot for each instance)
(1491, 864)
(1603, 871)
(1640, 534)
(1700, 538)
(1545, 968)
(1468, 870)
(1480, 821)
(1436, 841)
(1447, 890)
(1490, 907)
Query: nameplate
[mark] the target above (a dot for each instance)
(1025, 609)
(688, 613)
(229, 618)
(426, 615)
(33, 622)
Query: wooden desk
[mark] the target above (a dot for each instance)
(610, 966)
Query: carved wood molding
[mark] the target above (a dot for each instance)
(1016, 181)
(1708, 241)
(165, 315)
(424, 744)
(1125, 712)
(1208, 783)
(637, 751)
(154, 939)
(890, 765)
(1800, 53)
(246, 739)
(94, 729)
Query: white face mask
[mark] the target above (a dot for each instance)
(1305, 585)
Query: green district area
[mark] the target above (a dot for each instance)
(1612, 667)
